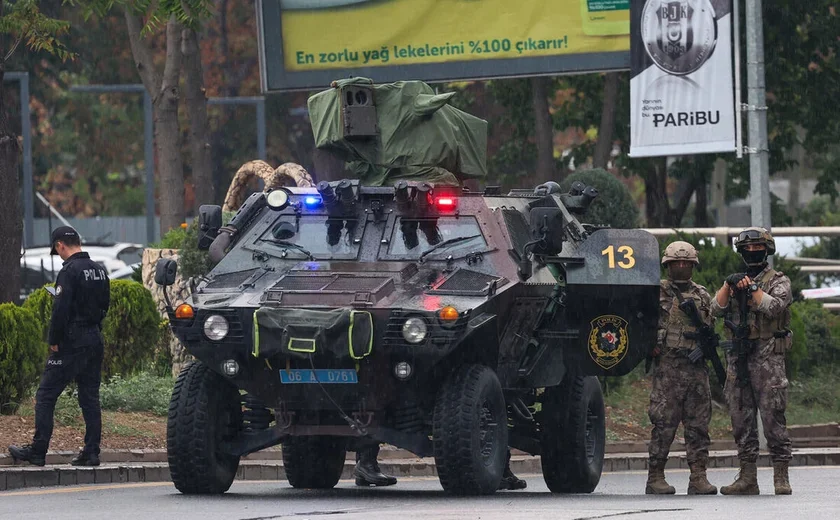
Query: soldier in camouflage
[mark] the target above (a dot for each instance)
(769, 340)
(681, 390)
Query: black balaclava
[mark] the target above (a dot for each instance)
(756, 261)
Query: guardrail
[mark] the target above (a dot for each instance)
(727, 232)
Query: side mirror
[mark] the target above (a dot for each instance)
(165, 271)
(209, 222)
(547, 226)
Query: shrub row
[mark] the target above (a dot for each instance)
(131, 333)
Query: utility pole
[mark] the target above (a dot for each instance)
(757, 124)
(756, 109)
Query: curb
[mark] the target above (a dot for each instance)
(390, 452)
(17, 477)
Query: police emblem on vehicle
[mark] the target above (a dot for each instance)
(608, 340)
(679, 35)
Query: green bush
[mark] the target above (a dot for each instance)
(22, 355)
(819, 335)
(614, 205)
(143, 392)
(40, 302)
(131, 331)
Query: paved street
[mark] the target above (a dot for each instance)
(618, 495)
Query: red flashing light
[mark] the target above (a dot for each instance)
(446, 202)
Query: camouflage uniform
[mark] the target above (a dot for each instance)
(681, 390)
(769, 322)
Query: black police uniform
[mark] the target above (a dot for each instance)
(82, 296)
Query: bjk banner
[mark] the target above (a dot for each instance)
(681, 89)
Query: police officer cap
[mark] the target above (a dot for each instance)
(61, 233)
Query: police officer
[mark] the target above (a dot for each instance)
(680, 387)
(82, 295)
(768, 318)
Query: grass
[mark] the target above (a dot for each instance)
(816, 399)
(811, 400)
(141, 393)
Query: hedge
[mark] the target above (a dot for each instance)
(131, 331)
(22, 355)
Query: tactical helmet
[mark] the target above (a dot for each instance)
(680, 250)
(756, 235)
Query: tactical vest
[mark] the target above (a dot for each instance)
(678, 323)
(762, 327)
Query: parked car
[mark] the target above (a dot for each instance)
(39, 267)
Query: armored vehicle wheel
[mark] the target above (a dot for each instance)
(470, 432)
(573, 435)
(204, 411)
(314, 462)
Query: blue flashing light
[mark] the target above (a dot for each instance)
(312, 201)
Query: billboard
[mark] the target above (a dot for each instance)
(305, 44)
(681, 90)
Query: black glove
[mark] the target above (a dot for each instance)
(734, 279)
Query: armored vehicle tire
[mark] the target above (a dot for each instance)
(470, 431)
(573, 435)
(314, 462)
(204, 411)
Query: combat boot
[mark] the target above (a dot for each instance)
(698, 484)
(367, 472)
(746, 483)
(509, 480)
(780, 478)
(656, 484)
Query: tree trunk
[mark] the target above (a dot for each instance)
(657, 209)
(196, 100)
(604, 145)
(701, 206)
(688, 186)
(165, 92)
(543, 130)
(11, 223)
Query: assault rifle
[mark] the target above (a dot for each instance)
(706, 338)
(740, 345)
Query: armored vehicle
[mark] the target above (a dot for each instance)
(447, 322)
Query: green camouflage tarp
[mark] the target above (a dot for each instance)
(421, 137)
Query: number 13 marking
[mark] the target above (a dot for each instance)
(626, 251)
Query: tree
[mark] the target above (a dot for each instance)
(181, 18)
(21, 23)
(543, 130)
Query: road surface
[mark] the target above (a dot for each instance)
(618, 495)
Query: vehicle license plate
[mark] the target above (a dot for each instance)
(346, 376)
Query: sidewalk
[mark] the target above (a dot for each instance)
(151, 466)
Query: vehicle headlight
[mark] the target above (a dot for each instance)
(414, 330)
(216, 327)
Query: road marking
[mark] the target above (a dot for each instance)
(81, 489)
